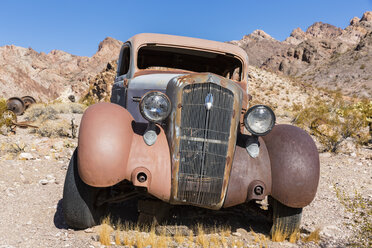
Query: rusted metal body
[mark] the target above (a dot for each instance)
(19, 105)
(199, 157)
(175, 90)
(16, 105)
(294, 165)
(111, 149)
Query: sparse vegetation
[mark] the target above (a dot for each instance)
(334, 121)
(105, 231)
(46, 117)
(314, 236)
(361, 209)
(6, 116)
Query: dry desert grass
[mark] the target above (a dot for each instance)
(140, 236)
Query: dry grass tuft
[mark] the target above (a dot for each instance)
(214, 240)
(152, 236)
(314, 236)
(225, 232)
(202, 239)
(163, 240)
(294, 237)
(178, 237)
(119, 228)
(140, 242)
(190, 239)
(105, 231)
(279, 236)
(259, 239)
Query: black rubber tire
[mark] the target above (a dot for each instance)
(286, 220)
(79, 199)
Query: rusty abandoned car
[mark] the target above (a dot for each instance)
(180, 131)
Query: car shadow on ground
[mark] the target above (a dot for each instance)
(233, 218)
(191, 217)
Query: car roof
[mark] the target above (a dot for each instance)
(196, 43)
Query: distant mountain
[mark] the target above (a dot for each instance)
(24, 71)
(323, 55)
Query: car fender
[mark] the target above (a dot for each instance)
(294, 163)
(109, 151)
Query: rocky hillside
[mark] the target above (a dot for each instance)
(23, 71)
(323, 55)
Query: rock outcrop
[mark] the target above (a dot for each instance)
(323, 55)
(260, 47)
(100, 85)
(23, 71)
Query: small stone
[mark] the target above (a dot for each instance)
(29, 222)
(9, 191)
(23, 179)
(43, 182)
(50, 178)
(330, 231)
(95, 238)
(237, 234)
(25, 156)
(353, 154)
(88, 230)
(325, 155)
(47, 157)
(58, 145)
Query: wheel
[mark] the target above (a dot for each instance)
(28, 100)
(16, 105)
(286, 220)
(78, 204)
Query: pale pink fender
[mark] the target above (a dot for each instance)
(109, 151)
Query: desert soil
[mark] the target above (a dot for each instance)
(31, 185)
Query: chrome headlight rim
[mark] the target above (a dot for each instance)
(253, 108)
(151, 94)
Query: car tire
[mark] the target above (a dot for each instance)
(79, 199)
(286, 220)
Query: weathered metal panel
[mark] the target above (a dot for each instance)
(204, 142)
(222, 144)
(294, 165)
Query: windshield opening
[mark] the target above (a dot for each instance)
(163, 58)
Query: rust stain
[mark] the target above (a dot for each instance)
(239, 96)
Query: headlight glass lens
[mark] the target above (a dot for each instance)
(155, 106)
(259, 120)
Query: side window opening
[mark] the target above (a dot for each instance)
(125, 61)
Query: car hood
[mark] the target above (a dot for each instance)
(155, 81)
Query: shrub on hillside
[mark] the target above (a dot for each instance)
(43, 112)
(334, 121)
(46, 117)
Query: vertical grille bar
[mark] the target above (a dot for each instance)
(204, 143)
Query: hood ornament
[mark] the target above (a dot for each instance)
(208, 101)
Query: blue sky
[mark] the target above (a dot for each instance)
(78, 26)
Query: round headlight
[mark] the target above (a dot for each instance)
(259, 120)
(155, 106)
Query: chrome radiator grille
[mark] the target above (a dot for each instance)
(203, 148)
